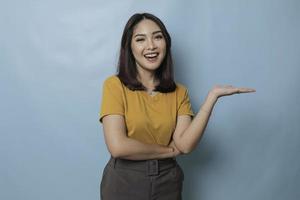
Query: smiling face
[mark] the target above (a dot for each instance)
(148, 45)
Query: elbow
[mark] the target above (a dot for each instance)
(116, 146)
(116, 151)
(183, 147)
(186, 150)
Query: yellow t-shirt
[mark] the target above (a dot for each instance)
(149, 119)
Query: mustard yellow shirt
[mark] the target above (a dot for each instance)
(149, 119)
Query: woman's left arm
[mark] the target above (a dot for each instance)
(188, 132)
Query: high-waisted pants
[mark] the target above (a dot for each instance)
(141, 180)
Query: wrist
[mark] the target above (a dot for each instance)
(209, 103)
(163, 149)
(212, 96)
(210, 100)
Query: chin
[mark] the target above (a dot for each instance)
(152, 67)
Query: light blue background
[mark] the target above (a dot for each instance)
(55, 56)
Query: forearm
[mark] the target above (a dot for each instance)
(135, 150)
(192, 135)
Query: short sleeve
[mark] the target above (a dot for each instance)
(112, 98)
(185, 107)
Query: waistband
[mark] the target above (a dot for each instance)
(149, 167)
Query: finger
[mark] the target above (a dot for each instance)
(245, 90)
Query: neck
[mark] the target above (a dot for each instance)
(147, 79)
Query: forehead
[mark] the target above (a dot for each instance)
(146, 26)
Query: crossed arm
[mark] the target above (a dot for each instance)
(119, 145)
(185, 138)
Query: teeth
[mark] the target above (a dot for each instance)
(151, 55)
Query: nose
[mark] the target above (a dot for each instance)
(151, 44)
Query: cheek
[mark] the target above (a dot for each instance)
(164, 49)
(134, 53)
(163, 46)
(136, 49)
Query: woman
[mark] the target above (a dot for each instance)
(147, 117)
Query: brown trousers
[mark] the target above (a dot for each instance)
(142, 180)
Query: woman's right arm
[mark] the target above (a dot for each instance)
(121, 146)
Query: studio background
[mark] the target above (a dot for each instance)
(55, 55)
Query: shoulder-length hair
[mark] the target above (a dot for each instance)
(127, 69)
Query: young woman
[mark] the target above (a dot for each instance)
(147, 118)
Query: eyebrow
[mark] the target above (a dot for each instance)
(145, 34)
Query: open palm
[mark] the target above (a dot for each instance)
(225, 90)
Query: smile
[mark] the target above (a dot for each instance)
(151, 56)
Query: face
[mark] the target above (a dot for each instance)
(148, 45)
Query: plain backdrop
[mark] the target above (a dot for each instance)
(55, 55)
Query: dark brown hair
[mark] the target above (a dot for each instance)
(127, 71)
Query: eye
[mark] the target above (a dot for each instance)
(139, 39)
(159, 37)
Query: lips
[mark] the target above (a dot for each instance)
(151, 56)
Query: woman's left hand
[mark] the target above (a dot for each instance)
(226, 90)
(176, 150)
